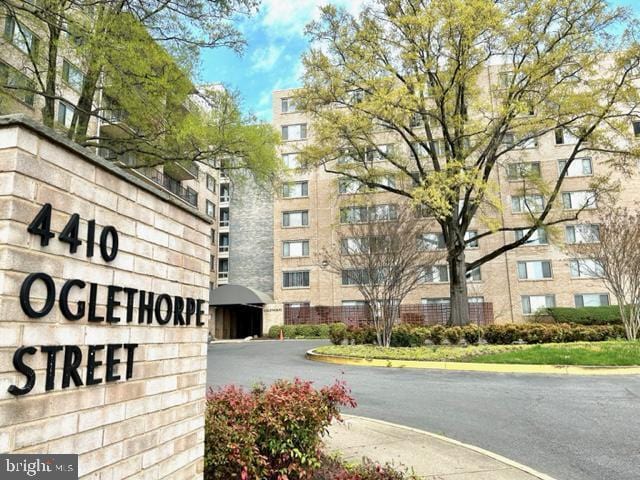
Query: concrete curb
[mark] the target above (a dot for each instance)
(482, 451)
(472, 367)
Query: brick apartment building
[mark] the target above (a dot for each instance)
(517, 283)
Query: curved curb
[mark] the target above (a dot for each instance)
(472, 367)
(482, 451)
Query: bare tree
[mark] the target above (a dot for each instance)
(381, 250)
(612, 251)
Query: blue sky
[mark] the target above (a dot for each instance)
(276, 41)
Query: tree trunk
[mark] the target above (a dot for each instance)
(458, 294)
(82, 114)
(48, 110)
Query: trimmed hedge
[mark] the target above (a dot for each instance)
(608, 315)
(412, 336)
(300, 331)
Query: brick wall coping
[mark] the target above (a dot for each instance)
(21, 120)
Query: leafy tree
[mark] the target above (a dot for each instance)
(381, 251)
(460, 87)
(138, 59)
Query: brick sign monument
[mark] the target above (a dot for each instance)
(103, 312)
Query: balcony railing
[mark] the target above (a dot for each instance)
(225, 198)
(223, 248)
(224, 223)
(187, 194)
(223, 275)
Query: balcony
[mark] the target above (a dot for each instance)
(225, 198)
(187, 194)
(223, 248)
(182, 170)
(114, 124)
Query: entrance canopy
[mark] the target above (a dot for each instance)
(237, 295)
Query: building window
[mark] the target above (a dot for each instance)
(294, 132)
(534, 270)
(211, 209)
(435, 274)
(436, 301)
(445, 301)
(212, 263)
(584, 199)
(363, 245)
(532, 303)
(354, 303)
(211, 183)
(298, 279)
(350, 186)
(295, 189)
(380, 152)
(225, 192)
(213, 237)
(295, 248)
(538, 237)
(579, 167)
(17, 84)
(297, 305)
(290, 160)
(288, 105)
(65, 114)
(20, 36)
(224, 217)
(591, 299)
(470, 235)
(636, 128)
(520, 142)
(363, 214)
(223, 268)
(521, 170)
(72, 75)
(565, 137)
(584, 233)
(361, 276)
(295, 219)
(526, 203)
(432, 241)
(474, 275)
(585, 268)
(224, 243)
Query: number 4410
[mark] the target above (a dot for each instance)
(41, 226)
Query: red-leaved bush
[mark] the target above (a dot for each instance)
(269, 432)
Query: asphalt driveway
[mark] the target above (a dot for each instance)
(572, 428)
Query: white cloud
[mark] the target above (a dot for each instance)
(264, 59)
(289, 18)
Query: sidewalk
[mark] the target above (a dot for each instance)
(432, 457)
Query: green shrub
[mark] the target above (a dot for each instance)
(453, 334)
(361, 335)
(337, 333)
(405, 336)
(607, 315)
(290, 331)
(323, 330)
(274, 331)
(472, 334)
(436, 334)
(272, 432)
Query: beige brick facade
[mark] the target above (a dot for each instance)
(499, 282)
(151, 425)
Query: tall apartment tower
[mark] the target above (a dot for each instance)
(517, 283)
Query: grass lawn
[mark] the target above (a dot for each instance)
(613, 353)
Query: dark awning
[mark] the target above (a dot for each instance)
(237, 295)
